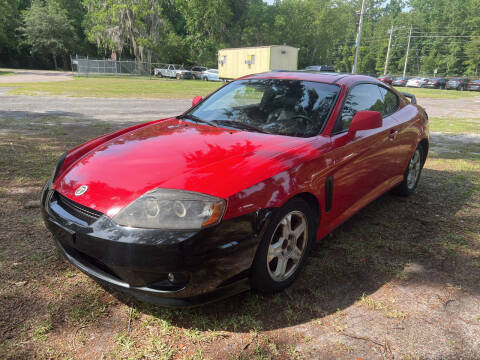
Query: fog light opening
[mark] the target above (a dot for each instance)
(177, 278)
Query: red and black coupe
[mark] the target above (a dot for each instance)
(232, 194)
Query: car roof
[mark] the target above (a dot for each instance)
(325, 77)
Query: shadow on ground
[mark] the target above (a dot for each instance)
(427, 240)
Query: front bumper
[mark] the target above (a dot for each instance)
(474, 87)
(209, 264)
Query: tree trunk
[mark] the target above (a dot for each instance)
(55, 60)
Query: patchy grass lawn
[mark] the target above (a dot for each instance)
(437, 93)
(455, 126)
(141, 87)
(117, 88)
(401, 279)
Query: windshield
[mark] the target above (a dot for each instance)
(275, 106)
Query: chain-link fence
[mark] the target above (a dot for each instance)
(85, 66)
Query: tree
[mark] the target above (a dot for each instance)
(472, 50)
(47, 29)
(208, 24)
(137, 24)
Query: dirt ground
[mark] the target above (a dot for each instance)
(465, 108)
(28, 76)
(13, 106)
(400, 280)
(90, 109)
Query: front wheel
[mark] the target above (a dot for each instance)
(284, 248)
(412, 174)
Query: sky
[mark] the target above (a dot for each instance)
(269, 1)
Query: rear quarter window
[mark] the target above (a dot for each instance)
(390, 100)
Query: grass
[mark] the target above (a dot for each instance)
(5, 73)
(437, 93)
(117, 88)
(141, 87)
(359, 280)
(455, 126)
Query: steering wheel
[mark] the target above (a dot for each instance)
(306, 119)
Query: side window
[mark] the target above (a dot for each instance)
(390, 100)
(361, 97)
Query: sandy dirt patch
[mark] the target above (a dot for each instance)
(28, 76)
(467, 108)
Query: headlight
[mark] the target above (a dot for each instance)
(172, 210)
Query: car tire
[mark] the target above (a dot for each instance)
(412, 174)
(282, 252)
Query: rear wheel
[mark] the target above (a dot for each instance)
(284, 248)
(412, 174)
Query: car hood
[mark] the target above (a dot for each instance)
(175, 154)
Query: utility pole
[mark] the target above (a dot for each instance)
(388, 51)
(408, 50)
(359, 34)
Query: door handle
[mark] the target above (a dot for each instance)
(393, 134)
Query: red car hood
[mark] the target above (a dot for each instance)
(176, 155)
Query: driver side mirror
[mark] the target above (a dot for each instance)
(365, 120)
(196, 100)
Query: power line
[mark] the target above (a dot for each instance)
(446, 36)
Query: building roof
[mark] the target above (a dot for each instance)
(257, 47)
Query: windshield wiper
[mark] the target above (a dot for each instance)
(240, 125)
(196, 119)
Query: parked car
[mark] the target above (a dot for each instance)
(435, 83)
(233, 193)
(400, 81)
(416, 82)
(457, 84)
(386, 79)
(173, 71)
(324, 68)
(210, 75)
(197, 71)
(474, 85)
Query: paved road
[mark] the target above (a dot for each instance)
(122, 110)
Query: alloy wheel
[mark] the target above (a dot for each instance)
(414, 169)
(287, 246)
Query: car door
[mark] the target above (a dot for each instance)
(402, 135)
(364, 166)
(171, 71)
